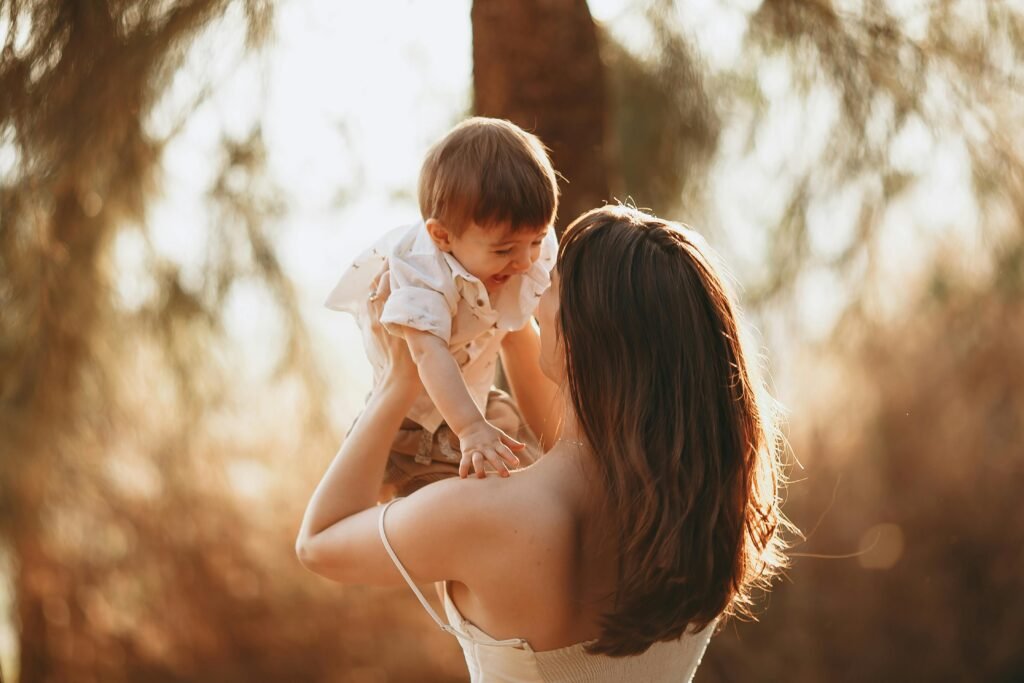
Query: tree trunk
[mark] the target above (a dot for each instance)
(35, 651)
(536, 63)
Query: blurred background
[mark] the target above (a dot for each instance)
(182, 181)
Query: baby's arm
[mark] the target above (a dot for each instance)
(478, 439)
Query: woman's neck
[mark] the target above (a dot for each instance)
(577, 456)
(572, 444)
(571, 432)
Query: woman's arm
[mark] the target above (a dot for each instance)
(352, 481)
(536, 395)
(429, 530)
(451, 529)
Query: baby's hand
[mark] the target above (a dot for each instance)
(482, 441)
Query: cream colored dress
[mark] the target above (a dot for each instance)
(514, 661)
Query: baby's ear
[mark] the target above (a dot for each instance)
(439, 233)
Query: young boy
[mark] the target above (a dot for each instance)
(472, 270)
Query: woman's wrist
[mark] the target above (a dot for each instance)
(401, 391)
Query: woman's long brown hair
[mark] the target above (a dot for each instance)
(689, 459)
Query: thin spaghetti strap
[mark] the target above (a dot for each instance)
(447, 628)
(405, 575)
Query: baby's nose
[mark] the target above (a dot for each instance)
(521, 265)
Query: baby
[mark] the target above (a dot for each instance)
(472, 270)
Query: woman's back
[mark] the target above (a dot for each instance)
(552, 558)
(531, 620)
(515, 659)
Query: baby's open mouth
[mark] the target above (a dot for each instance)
(500, 279)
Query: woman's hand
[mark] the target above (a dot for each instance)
(400, 372)
(339, 524)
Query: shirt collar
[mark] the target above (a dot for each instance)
(469, 286)
(425, 245)
(459, 270)
(504, 304)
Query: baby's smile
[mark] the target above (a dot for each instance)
(497, 280)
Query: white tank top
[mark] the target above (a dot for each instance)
(513, 660)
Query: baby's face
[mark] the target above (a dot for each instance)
(494, 254)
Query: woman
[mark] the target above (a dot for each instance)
(654, 513)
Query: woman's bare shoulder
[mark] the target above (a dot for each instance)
(503, 515)
(495, 502)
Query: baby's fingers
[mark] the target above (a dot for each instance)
(478, 464)
(512, 443)
(464, 465)
(495, 456)
(507, 455)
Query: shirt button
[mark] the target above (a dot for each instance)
(479, 302)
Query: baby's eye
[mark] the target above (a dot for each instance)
(538, 243)
(503, 252)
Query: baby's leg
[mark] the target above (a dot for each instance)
(503, 413)
(418, 459)
(406, 481)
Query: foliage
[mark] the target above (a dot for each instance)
(664, 128)
(127, 559)
(148, 508)
(910, 504)
(952, 68)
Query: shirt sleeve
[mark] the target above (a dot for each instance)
(354, 285)
(422, 297)
(351, 291)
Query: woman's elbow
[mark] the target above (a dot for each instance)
(303, 551)
(307, 553)
(315, 557)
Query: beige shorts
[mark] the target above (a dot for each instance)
(419, 457)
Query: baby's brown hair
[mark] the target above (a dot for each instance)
(488, 171)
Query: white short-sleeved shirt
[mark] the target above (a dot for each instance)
(431, 291)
